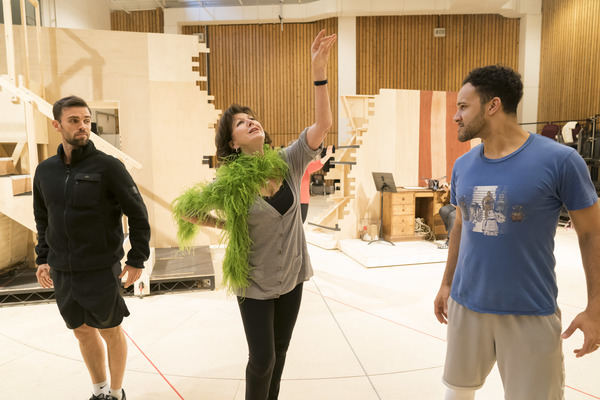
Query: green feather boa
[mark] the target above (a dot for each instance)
(231, 195)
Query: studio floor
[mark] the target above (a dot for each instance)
(362, 334)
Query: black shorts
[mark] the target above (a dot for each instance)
(90, 297)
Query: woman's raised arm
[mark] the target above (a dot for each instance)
(323, 119)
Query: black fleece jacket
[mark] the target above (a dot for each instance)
(78, 210)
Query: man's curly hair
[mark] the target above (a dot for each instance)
(497, 81)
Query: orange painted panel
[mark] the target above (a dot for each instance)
(425, 136)
(454, 148)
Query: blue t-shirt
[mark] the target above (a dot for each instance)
(510, 208)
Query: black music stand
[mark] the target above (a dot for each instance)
(384, 182)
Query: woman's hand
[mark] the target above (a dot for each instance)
(320, 54)
(209, 221)
(328, 154)
(329, 151)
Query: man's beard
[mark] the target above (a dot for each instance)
(75, 142)
(471, 130)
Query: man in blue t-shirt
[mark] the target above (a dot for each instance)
(498, 293)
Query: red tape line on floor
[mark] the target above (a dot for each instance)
(582, 392)
(11, 279)
(416, 330)
(155, 367)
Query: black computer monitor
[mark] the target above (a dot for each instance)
(384, 182)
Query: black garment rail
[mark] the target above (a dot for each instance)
(593, 135)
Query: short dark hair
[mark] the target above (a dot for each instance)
(497, 81)
(66, 102)
(225, 130)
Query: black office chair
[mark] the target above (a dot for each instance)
(317, 184)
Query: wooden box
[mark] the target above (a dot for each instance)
(6, 166)
(21, 184)
(14, 238)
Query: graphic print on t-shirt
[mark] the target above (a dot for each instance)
(485, 210)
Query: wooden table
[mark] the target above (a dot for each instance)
(400, 210)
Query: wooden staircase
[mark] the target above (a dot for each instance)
(16, 217)
(16, 205)
(335, 223)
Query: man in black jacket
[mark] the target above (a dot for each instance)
(79, 197)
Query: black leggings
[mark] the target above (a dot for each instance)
(304, 211)
(268, 325)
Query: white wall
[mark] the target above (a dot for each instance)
(530, 12)
(105, 120)
(530, 43)
(176, 17)
(321, 9)
(346, 43)
(77, 14)
(95, 14)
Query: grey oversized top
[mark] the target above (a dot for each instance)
(278, 255)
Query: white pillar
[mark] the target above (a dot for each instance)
(47, 8)
(346, 70)
(172, 17)
(529, 66)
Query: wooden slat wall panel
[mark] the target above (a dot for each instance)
(151, 21)
(400, 52)
(202, 57)
(569, 67)
(270, 71)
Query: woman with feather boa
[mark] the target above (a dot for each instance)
(255, 199)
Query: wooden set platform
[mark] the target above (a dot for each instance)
(173, 272)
